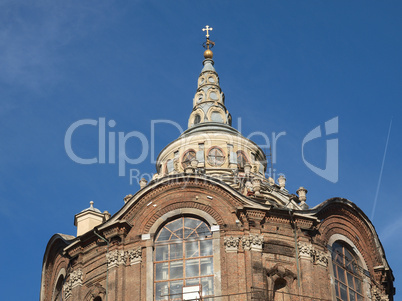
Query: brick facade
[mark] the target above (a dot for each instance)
(264, 251)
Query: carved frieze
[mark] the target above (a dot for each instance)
(252, 242)
(116, 258)
(74, 280)
(231, 244)
(307, 251)
(378, 295)
(135, 255)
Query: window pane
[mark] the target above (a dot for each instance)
(164, 235)
(344, 295)
(207, 286)
(341, 274)
(190, 233)
(203, 231)
(191, 223)
(337, 288)
(192, 249)
(161, 291)
(175, 225)
(161, 253)
(352, 295)
(350, 280)
(176, 289)
(359, 297)
(176, 269)
(161, 271)
(192, 268)
(191, 282)
(358, 285)
(206, 266)
(176, 251)
(206, 247)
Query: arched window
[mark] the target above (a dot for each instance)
(98, 299)
(348, 282)
(58, 293)
(197, 119)
(241, 159)
(183, 257)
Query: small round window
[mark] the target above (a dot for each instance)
(187, 158)
(216, 157)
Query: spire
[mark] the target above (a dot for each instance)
(209, 100)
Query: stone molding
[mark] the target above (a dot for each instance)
(307, 251)
(253, 242)
(135, 255)
(231, 244)
(116, 258)
(74, 280)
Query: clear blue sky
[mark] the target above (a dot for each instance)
(283, 65)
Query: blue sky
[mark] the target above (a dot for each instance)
(284, 66)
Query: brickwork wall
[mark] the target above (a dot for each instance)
(247, 272)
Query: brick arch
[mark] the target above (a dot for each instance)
(176, 208)
(338, 219)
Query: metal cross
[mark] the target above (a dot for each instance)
(207, 28)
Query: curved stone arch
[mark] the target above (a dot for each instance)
(219, 110)
(96, 291)
(204, 211)
(199, 112)
(170, 215)
(56, 243)
(342, 218)
(62, 273)
(346, 241)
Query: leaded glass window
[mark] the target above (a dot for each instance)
(183, 257)
(216, 157)
(348, 282)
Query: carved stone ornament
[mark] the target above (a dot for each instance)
(320, 258)
(378, 295)
(67, 289)
(98, 290)
(307, 251)
(252, 242)
(74, 280)
(116, 258)
(135, 255)
(231, 244)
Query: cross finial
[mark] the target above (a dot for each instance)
(207, 29)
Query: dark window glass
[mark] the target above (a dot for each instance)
(348, 284)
